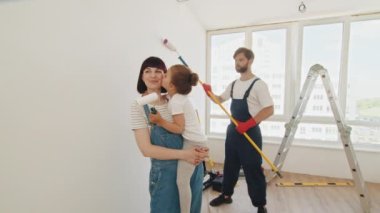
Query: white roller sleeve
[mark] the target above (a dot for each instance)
(169, 45)
(147, 99)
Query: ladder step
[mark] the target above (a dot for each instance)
(290, 184)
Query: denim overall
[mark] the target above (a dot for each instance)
(163, 175)
(240, 153)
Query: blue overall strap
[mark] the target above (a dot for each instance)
(232, 88)
(246, 92)
(147, 112)
(249, 88)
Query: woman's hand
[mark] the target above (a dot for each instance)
(195, 155)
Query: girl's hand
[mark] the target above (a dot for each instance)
(155, 118)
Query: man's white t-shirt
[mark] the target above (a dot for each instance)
(258, 98)
(180, 104)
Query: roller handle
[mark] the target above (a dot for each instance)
(153, 110)
(183, 61)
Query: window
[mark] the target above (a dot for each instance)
(347, 47)
(321, 45)
(269, 47)
(363, 97)
(272, 129)
(223, 66)
(269, 64)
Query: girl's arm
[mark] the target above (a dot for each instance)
(192, 155)
(177, 126)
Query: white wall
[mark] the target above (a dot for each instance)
(68, 73)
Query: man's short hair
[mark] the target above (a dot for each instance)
(247, 53)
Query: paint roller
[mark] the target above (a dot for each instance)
(171, 47)
(147, 99)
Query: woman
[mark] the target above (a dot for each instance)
(163, 147)
(178, 82)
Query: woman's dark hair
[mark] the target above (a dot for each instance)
(150, 62)
(183, 79)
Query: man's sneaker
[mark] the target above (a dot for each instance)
(220, 200)
(261, 209)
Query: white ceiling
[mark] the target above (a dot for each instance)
(219, 14)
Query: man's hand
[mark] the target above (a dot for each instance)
(207, 88)
(246, 125)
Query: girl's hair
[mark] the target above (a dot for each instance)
(154, 62)
(183, 79)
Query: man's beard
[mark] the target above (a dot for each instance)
(242, 69)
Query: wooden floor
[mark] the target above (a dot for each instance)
(329, 199)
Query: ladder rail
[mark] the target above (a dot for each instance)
(344, 130)
(292, 125)
(345, 136)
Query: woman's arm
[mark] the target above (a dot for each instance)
(193, 155)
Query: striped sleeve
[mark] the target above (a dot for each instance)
(138, 118)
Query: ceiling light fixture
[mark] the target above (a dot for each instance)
(302, 7)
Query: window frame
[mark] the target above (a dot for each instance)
(293, 69)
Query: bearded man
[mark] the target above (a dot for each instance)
(251, 104)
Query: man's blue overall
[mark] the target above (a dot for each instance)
(240, 153)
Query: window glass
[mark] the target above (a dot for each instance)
(363, 96)
(223, 65)
(219, 126)
(321, 45)
(269, 48)
(318, 132)
(272, 129)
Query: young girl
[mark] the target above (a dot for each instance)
(178, 82)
